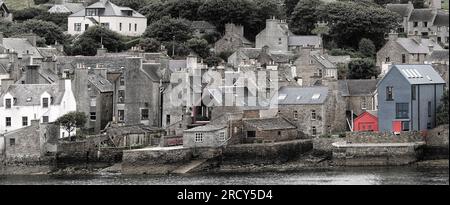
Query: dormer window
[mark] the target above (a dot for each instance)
(45, 102)
(91, 12)
(8, 103)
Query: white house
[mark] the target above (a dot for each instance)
(123, 20)
(21, 103)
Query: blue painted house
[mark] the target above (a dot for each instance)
(408, 96)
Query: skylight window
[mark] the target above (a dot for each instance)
(29, 99)
(315, 96)
(282, 97)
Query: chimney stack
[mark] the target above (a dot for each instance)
(393, 36)
(1, 38)
(32, 74)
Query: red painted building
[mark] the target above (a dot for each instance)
(367, 121)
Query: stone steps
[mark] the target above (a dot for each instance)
(183, 169)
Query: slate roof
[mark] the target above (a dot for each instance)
(32, 93)
(323, 60)
(110, 9)
(422, 15)
(207, 128)
(50, 52)
(66, 8)
(441, 19)
(3, 69)
(102, 84)
(413, 46)
(358, 87)
(175, 65)
(419, 74)
(2, 4)
(338, 59)
(295, 95)
(130, 129)
(402, 9)
(304, 41)
(21, 46)
(45, 74)
(438, 55)
(266, 124)
(202, 25)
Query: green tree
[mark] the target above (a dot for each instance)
(265, 9)
(362, 69)
(59, 19)
(180, 50)
(166, 28)
(187, 9)
(88, 42)
(47, 30)
(27, 13)
(153, 11)
(305, 16)
(71, 121)
(213, 61)
(220, 12)
(351, 21)
(199, 46)
(150, 45)
(134, 4)
(366, 48)
(442, 111)
(289, 6)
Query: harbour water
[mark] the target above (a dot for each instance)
(341, 176)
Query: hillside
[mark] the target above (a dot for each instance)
(18, 4)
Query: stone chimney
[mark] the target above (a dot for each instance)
(232, 28)
(191, 61)
(416, 37)
(1, 38)
(393, 36)
(32, 74)
(5, 84)
(430, 48)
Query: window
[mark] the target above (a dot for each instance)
(121, 96)
(425, 24)
(295, 115)
(8, 121)
(401, 111)
(93, 116)
(77, 27)
(438, 28)
(120, 26)
(167, 119)
(44, 102)
(44, 119)
(314, 131)
(129, 27)
(413, 92)
(320, 72)
(405, 126)
(222, 136)
(279, 41)
(135, 27)
(403, 58)
(121, 115)
(24, 121)
(8, 103)
(313, 114)
(415, 24)
(12, 141)
(251, 134)
(122, 81)
(91, 12)
(363, 103)
(279, 133)
(105, 25)
(198, 137)
(388, 59)
(429, 108)
(93, 101)
(86, 26)
(429, 125)
(389, 93)
(144, 114)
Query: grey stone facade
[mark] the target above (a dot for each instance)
(232, 40)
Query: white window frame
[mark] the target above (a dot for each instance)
(198, 137)
(222, 136)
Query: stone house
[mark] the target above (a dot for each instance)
(260, 57)
(277, 37)
(211, 135)
(25, 48)
(313, 67)
(275, 129)
(232, 40)
(21, 103)
(424, 22)
(5, 14)
(202, 28)
(122, 20)
(359, 95)
(127, 136)
(31, 142)
(94, 96)
(439, 59)
(411, 50)
(306, 108)
(408, 97)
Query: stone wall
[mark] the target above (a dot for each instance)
(324, 145)
(151, 161)
(266, 153)
(383, 137)
(437, 143)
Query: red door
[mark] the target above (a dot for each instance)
(396, 126)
